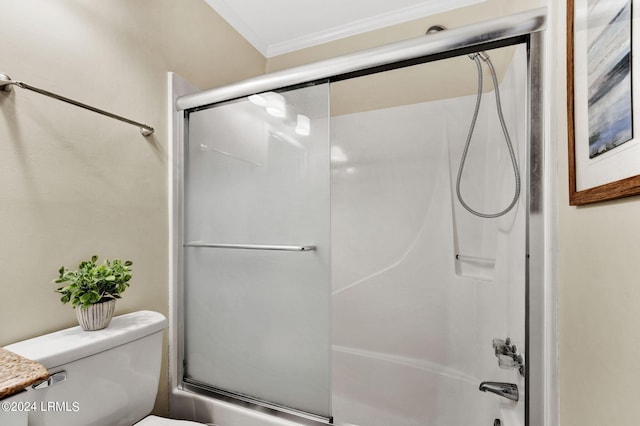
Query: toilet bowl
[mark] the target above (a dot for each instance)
(100, 378)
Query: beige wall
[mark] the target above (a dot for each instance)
(599, 293)
(73, 183)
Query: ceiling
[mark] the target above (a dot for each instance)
(275, 27)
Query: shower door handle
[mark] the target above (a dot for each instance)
(202, 244)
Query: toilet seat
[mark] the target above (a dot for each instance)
(161, 421)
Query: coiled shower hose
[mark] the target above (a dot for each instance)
(514, 161)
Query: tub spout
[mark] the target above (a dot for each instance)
(505, 390)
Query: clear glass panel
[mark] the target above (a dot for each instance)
(412, 325)
(257, 322)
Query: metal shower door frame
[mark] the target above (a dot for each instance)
(527, 27)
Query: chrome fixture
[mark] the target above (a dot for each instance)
(5, 86)
(514, 162)
(505, 390)
(5, 83)
(474, 57)
(54, 379)
(482, 54)
(508, 355)
(436, 28)
(249, 246)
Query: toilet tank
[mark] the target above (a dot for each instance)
(107, 377)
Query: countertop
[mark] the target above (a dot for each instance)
(17, 372)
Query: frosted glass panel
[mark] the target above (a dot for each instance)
(257, 322)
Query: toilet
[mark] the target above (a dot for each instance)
(100, 378)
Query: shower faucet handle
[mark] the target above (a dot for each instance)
(508, 355)
(504, 346)
(508, 361)
(500, 346)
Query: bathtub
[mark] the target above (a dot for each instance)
(374, 389)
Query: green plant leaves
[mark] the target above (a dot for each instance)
(92, 282)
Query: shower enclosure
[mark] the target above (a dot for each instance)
(325, 270)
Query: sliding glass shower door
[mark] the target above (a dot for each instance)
(256, 250)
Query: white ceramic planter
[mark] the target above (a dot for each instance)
(97, 316)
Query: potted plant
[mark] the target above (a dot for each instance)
(93, 289)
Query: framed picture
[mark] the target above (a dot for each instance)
(604, 152)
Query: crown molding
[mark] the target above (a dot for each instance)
(361, 26)
(425, 8)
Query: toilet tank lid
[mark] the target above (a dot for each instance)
(71, 344)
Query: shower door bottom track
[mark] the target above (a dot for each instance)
(246, 401)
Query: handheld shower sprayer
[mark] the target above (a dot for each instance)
(516, 172)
